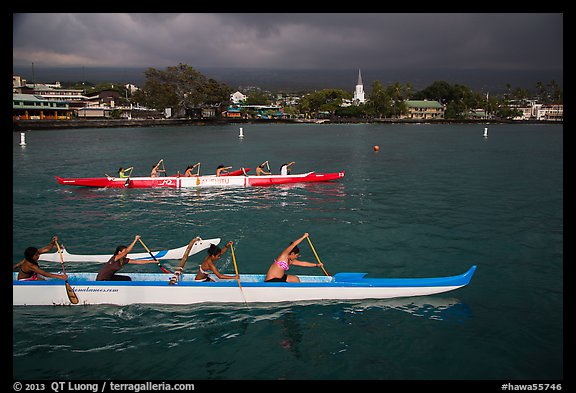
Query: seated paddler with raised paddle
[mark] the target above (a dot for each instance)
(29, 269)
(208, 266)
(278, 269)
(117, 262)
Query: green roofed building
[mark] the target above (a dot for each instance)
(424, 109)
(35, 107)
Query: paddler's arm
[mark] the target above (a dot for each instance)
(49, 246)
(226, 247)
(46, 274)
(127, 250)
(224, 276)
(295, 243)
(17, 266)
(220, 275)
(306, 264)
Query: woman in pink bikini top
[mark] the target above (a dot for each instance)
(277, 271)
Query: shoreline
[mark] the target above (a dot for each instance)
(23, 125)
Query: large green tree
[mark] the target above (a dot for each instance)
(182, 88)
(327, 100)
(380, 102)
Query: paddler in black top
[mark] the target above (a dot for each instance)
(29, 269)
(117, 262)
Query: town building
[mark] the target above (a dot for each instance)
(551, 112)
(238, 97)
(532, 110)
(35, 107)
(424, 110)
(94, 112)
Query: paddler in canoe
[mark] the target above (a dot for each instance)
(278, 269)
(222, 169)
(29, 269)
(285, 168)
(190, 168)
(208, 266)
(117, 261)
(260, 169)
(122, 173)
(155, 172)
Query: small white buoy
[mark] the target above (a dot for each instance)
(241, 133)
(22, 139)
(485, 132)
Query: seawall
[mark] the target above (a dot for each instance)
(23, 125)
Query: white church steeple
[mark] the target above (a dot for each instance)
(359, 92)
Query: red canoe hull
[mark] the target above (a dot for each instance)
(200, 181)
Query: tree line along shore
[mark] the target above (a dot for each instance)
(191, 98)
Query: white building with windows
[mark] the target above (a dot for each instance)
(238, 97)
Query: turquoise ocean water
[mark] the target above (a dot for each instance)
(433, 201)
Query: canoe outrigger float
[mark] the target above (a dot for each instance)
(175, 253)
(154, 288)
(234, 180)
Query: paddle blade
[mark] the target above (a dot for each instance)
(71, 294)
(69, 291)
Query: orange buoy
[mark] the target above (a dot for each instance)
(376, 148)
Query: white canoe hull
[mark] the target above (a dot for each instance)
(152, 288)
(176, 294)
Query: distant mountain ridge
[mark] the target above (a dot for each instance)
(307, 80)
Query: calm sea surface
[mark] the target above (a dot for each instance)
(433, 201)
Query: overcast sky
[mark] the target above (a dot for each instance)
(493, 41)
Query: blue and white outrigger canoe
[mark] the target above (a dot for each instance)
(154, 288)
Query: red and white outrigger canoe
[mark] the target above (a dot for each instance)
(199, 181)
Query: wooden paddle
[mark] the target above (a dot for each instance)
(153, 257)
(71, 294)
(176, 277)
(198, 175)
(317, 258)
(238, 274)
(163, 170)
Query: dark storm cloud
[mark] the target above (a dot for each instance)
(297, 41)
